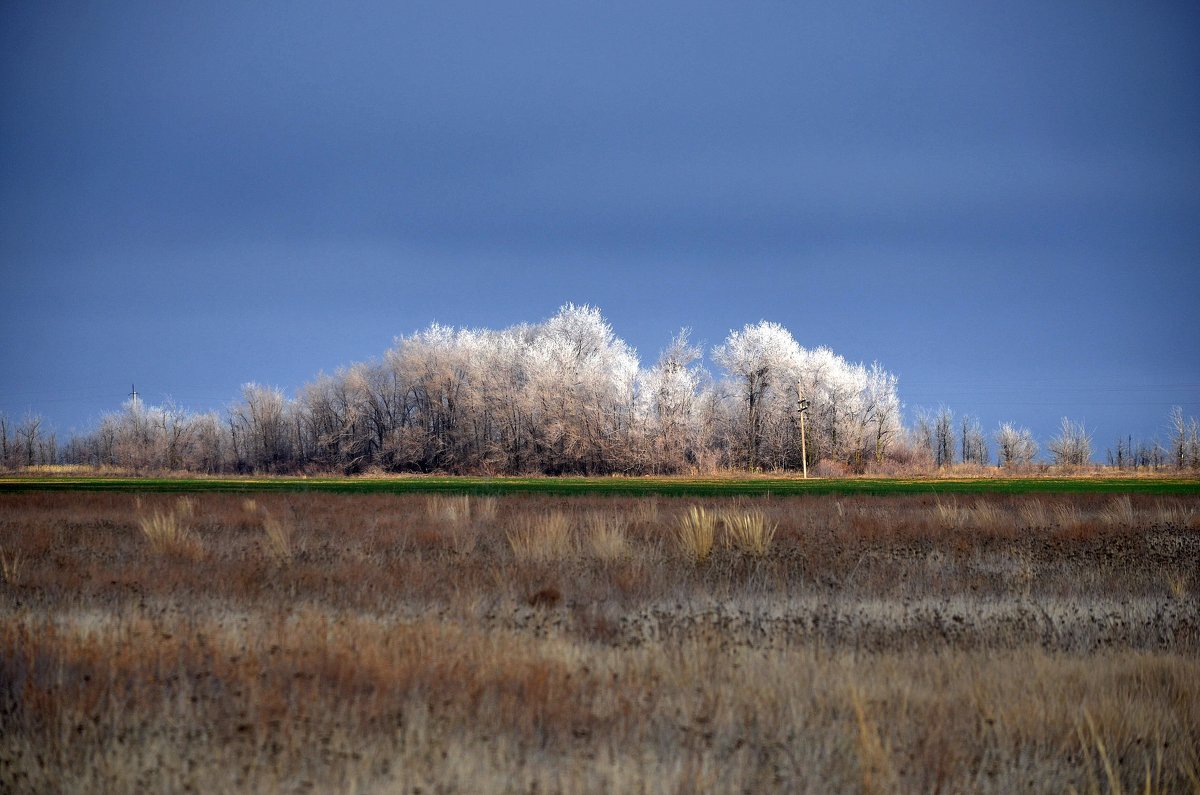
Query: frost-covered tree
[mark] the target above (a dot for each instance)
(763, 361)
(672, 395)
(882, 404)
(261, 429)
(854, 411)
(583, 383)
(562, 395)
(1015, 446)
(1185, 440)
(1072, 446)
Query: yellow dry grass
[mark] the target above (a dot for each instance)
(543, 537)
(749, 531)
(696, 533)
(167, 531)
(579, 648)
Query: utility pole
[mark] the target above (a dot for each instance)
(133, 395)
(802, 409)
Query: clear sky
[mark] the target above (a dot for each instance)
(1000, 202)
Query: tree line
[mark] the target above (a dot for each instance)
(563, 396)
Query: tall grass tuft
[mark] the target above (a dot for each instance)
(449, 508)
(696, 533)
(483, 509)
(1175, 515)
(645, 511)
(986, 516)
(874, 757)
(1119, 513)
(604, 536)
(10, 566)
(1178, 583)
(748, 532)
(1033, 514)
(1068, 516)
(167, 531)
(279, 539)
(950, 515)
(541, 538)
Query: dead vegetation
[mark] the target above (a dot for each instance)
(388, 643)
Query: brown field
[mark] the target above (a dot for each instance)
(433, 643)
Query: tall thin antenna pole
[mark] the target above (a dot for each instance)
(802, 409)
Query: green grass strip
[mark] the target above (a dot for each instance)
(639, 486)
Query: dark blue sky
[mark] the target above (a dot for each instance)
(998, 201)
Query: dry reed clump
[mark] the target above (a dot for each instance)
(988, 516)
(604, 536)
(1178, 584)
(1175, 515)
(449, 508)
(278, 539)
(1120, 513)
(168, 532)
(1068, 516)
(950, 515)
(645, 512)
(874, 757)
(541, 538)
(11, 566)
(1099, 760)
(696, 533)
(748, 532)
(1033, 514)
(455, 513)
(483, 509)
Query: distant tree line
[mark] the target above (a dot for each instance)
(566, 396)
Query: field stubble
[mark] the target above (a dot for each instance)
(383, 643)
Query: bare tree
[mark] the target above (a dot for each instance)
(29, 433)
(261, 422)
(1015, 446)
(1185, 440)
(973, 441)
(4, 441)
(943, 437)
(1072, 446)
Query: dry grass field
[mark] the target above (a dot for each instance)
(538, 643)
